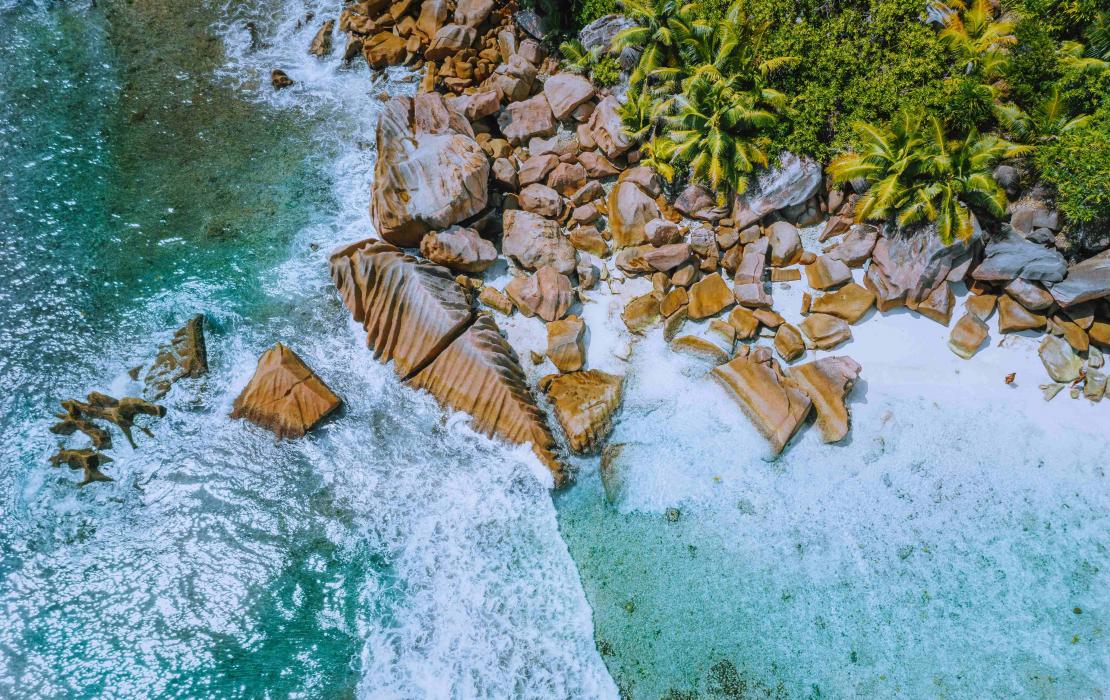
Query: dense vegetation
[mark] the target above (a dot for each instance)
(722, 87)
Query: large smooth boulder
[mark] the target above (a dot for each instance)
(479, 374)
(565, 91)
(541, 199)
(607, 128)
(433, 15)
(532, 241)
(786, 244)
(520, 121)
(709, 296)
(1013, 257)
(826, 331)
(630, 210)
(826, 272)
(1030, 295)
(284, 395)
(856, 246)
(546, 294)
(1013, 317)
(828, 382)
(449, 40)
(907, 268)
(566, 343)
(472, 12)
(773, 402)
(411, 310)
(384, 49)
(423, 181)
(1061, 362)
(850, 302)
(793, 181)
(599, 34)
(584, 404)
(459, 249)
(1085, 281)
(186, 355)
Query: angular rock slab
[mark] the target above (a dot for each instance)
(828, 382)
(411, 310)
(584, 404)
(774, 403)
(1085, 281)
(422, 181)
(284, 395)
(479, 374)
(791, 182)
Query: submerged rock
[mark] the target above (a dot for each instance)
(584, 404)
(321, 43)
(185, 356)
(87, 460)
(284, 395)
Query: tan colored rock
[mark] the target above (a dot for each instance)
(772, 402)
(597, 165)
(855, 248)
(752, 296)
(630, 210)
(458, 249)
(542, 200)
(685, 275)
(423, 182)
(537, 168)
(532, 241)
(566, 343)
(587, 238)
(745, 323)
(699, 348)
(321, 43)
(785, 274)
(520, 121)
(785, 243)
(668, 257)
(607, 128)
(631, 260)
(826, 273)
(479, 374)
(411, 310)
(284, 395)
(675, 299)
(1030, 295)
(789, 342)
(981, 305)
(709, 296)
(828, 382)
(280, 80)
(449, 40)
(185, 356)
(968, 335)
(584, 403)
(1059, 359)
(383, 50)
(641, 313)
(496, 300)
(568, 178)
(547, 293)
(1013, 317)
(1071, 332)
(1099, 332)
(471, 12)
(565, 91)
(661, 232)
(826, 331)
(750, 269)
(851, 302)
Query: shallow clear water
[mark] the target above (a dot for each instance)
(948, 549)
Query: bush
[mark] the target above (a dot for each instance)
(1077, 165)
(586, 11)
(606, 72)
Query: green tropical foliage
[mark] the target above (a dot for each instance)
(1045, 120)
(1077, 164)
(978, 38)
(916, 173)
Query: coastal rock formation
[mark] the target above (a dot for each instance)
(1060, 361)
(565, 91)
(697, 202)
(185, 356)
(1013, 257)
(828, 382)
(532, 241)
(630, 210)
(850, 302)
(458, 249)
(790, 183)
(1085, 281)
(479, 374)
(566, 344)
(411, 310)
(584, 404)
(88, 461)
(607, 128)
(284, 395)
(709, 296)
(424, 181)
(826, 331)
(321, 43)
(772, 401)
(856, 246)
(968, 335)
(908, 269)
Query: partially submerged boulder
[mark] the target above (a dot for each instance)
(284, 395)
(424, 181)
(185, 356)
(584, 404)
(479, 374)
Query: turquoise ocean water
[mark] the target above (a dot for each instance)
(148, 173)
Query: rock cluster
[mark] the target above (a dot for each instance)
(80, 416)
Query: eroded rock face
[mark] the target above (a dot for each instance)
(773, 402)
(584, 404)
(709, 296)
(184, 356)
(850, 302)
(600, 33)
(566, 347)
(630, 210)
(607, 128)
(790, 183)
(423, 181)
(828, 382)
(459, 249)
(856, 246)
(479, 374)
(520, 121)
(906, 269)
(284, 395)
(697, 202)
(411, 310)
(546, 294)
(1013, 317)
(826, 331)
(565, 91)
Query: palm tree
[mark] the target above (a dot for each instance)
(980, 40)
(661, 26)
(716, 132)
(917, 174)
(577, 58)
(1077, 57)
(1044, 122)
